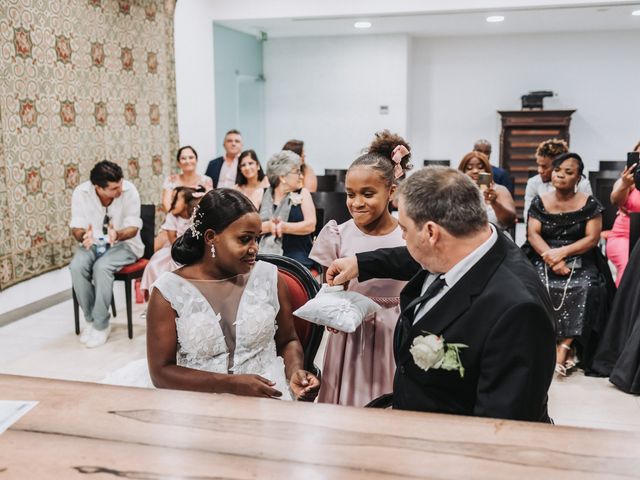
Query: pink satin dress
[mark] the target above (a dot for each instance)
(618, 240)
(359, 366)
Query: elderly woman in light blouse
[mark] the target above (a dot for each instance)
(287, 210)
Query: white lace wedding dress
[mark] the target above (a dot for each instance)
(236, 338)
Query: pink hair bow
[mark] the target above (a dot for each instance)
(396, 156)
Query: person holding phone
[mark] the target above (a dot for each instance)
(626, 197)
(500, 206)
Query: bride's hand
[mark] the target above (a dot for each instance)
(304, 386)
(253, 386)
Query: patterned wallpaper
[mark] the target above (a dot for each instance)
(80, 81)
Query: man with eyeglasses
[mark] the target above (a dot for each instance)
(105, 220)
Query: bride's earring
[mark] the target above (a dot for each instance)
(213, 251)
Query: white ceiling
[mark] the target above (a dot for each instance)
(605, 17)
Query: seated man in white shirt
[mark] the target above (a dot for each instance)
(541, 183)
(105, 219)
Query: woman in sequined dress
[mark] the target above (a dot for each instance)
(563, 231)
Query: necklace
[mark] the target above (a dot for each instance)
(566, 285)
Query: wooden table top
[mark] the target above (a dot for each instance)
(93, 431)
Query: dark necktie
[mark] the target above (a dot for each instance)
(414, 307)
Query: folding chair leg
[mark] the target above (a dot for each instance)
(127, 291)
(76, 311)
(113, 305)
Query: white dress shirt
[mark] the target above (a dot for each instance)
(228, 173)
(124, 212)
(535, 186)
(458, 271)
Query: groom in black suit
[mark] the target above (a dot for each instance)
(470, 285)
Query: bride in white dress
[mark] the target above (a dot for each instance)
(223, 322)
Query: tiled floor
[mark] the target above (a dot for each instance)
(45, 345)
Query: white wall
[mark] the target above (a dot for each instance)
(457, 84)
(328, 91)
(35, 289)
(193, 34)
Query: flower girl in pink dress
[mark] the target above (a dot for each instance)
(359, 366)
(184, 201)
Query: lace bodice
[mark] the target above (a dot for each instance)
(201, 341)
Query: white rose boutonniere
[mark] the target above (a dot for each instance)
(295, 198)
(431, 351)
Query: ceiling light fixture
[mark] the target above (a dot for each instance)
(362, 24)
(495, 19)
(636, 13)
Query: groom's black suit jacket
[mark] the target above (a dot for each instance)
(501, 310)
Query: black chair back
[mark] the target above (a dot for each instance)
(319, 221)
(340, 173)
(601, 185)
(326, 183)
(334, 205)
(617, 165)
(148, 216)
(431, 163)
(634, 230)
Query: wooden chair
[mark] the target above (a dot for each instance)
(130, 272)
(302, 287)
(334, 205)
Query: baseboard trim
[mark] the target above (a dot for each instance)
(34, 307)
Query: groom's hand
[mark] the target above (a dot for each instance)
(253, 386)
(304, 386)
(342, 270)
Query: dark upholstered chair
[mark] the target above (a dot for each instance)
(634, 230)
(340, 173)
(617, 165)
(326, 183)
(302, 287)
(431, 163)
(130, 272)
(601, 185)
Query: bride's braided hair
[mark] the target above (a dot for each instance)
(216, 210)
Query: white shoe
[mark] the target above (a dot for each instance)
(98, 337)
(86, 332)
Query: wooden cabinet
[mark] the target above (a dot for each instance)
(522, 131)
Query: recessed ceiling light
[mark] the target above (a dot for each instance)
(362, 24)
(636, 13)
(495, 19)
